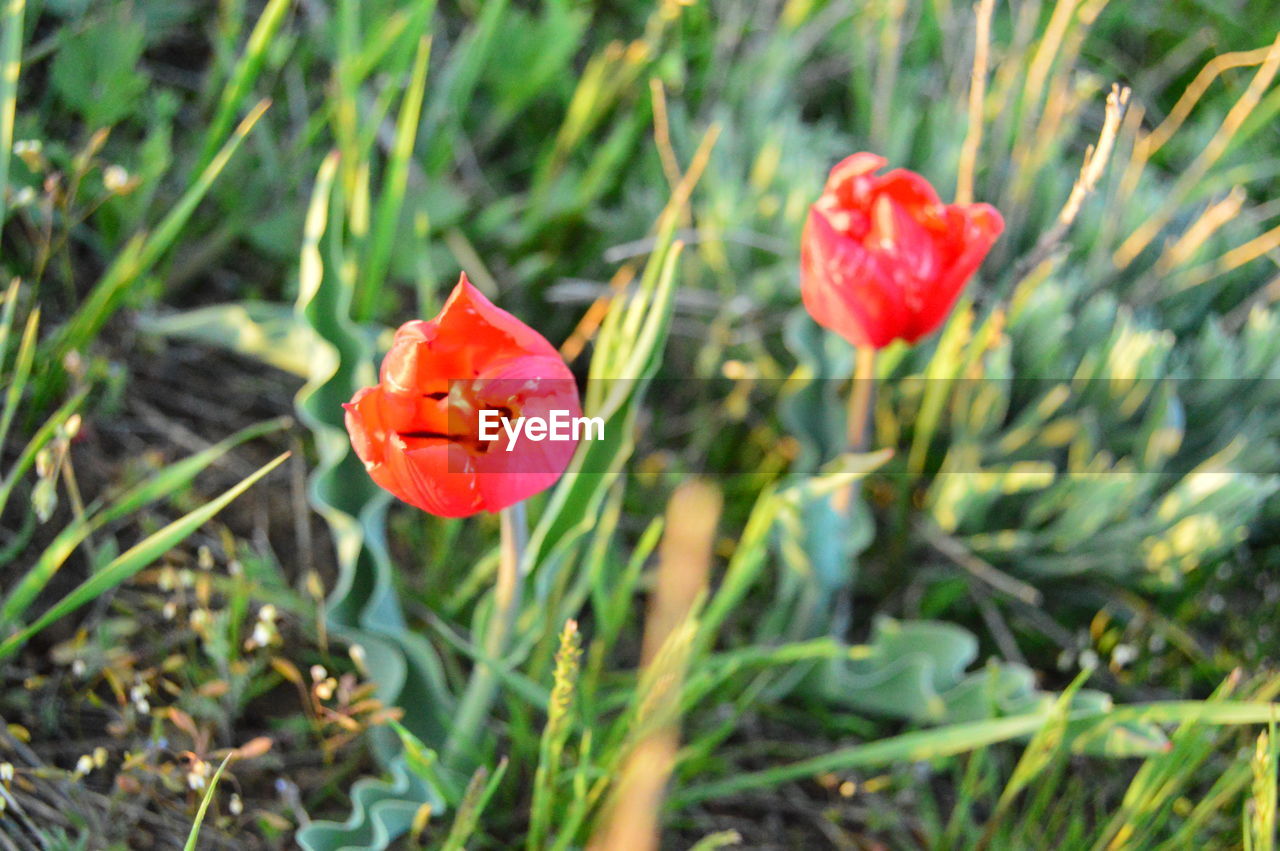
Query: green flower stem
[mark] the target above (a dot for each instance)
(857, 438)
(860, 398)
(482, 688)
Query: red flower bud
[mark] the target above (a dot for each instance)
(883, 258)
(419, 430)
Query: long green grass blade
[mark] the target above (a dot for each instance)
(194, 836)
(954, 739)
(574, 505)
(459, 80)
(1162, 776)
(161, 485)
(479, 792)
(10, 67)
(7, 312)
(346, 111)
(1209, 806)
(386, 217)
(42, 436)
(246, 73)
(1043, 748)
(425, 762)
(144, 250)
(21, 372)
(133, 560)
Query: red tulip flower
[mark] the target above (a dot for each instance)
(882, 258)
(419, 430)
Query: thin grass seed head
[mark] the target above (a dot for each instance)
(567, 667)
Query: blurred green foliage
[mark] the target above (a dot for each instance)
(1097, 419)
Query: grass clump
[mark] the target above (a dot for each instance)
(210, 222)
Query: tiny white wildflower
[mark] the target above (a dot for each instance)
(1123, 654)
(357, 654)
(262, 635)
(73, 363)
(44, 462)
(31, 152)
(115, 178)
(198, 773)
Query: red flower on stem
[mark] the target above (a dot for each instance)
(418, 430)
(882, 258)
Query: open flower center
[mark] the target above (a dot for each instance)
(453, 417)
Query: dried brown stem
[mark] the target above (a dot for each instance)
(1095, 162)
(977, 97)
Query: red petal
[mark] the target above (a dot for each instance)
(914, 193)
(846, 287)
(530, 387)
(417, 430)
(444, 480)
(366, 425)
(883, 258)
(853, 166)
(906, 248)
(973, 229)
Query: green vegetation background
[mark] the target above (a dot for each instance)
(214, 212)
